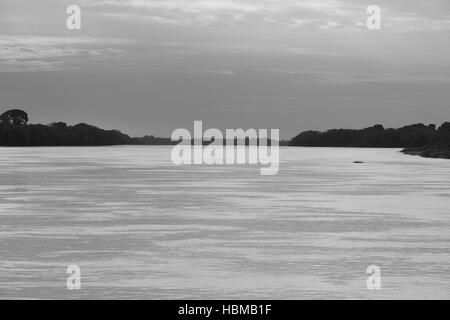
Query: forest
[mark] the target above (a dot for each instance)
(416, 135)
(15, 131)
(418, 139)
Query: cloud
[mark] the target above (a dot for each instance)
(132, 17)
(262, 28)
(47, 53)
(403, 16)
(413, 23)
(216, 72)
(31, 66)
(206, 12)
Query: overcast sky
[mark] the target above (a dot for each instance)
(150, 66)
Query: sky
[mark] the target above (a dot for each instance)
(151, 66)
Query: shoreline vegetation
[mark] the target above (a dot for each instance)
(62, 135)
(416, 139)
(441, 151)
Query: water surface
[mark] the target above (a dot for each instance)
(140, 227)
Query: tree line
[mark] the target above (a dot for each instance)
(415, 135)
(60, 134)
(14, 131)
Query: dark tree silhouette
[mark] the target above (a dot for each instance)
(15, 132)
(15, 117)
(415, 135)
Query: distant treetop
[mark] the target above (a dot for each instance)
(15, 117)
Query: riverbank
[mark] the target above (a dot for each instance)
(434, 151)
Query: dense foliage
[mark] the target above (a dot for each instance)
(60, 134)
(415, 135)
(14, 131)
(16, 117)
